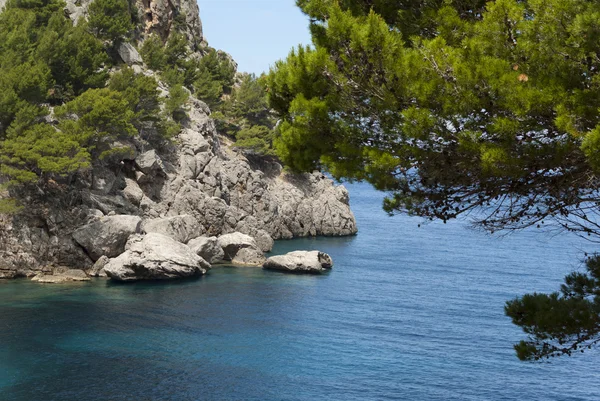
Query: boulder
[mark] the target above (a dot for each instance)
(132, 192)
(150, 163)
(264, 240)
(313, 262)
(155, 257)
(207, 248)
(62, 277)
(107, 236)
(98, 269)
(129, 54)
(234, 243)
(180, 228)
(249, 257)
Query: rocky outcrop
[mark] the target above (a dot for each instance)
(313, 262)
(194, 185)
(207, 248)
(241, 249)
(163, 16)
(180, 228)
(160, 17)
(108, 236)
(155, 257)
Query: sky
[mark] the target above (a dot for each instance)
(255, 32)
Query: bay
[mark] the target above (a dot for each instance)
(408, 313)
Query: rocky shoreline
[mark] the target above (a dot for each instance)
(158, 256)
(193, 186)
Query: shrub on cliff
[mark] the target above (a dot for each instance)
(110, 19)
(245, 116)
(47, 61)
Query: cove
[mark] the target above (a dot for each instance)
(407, 313)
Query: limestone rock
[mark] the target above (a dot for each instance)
(313, 262)
(150, 163)
(180, 228)
(107, 236)
(249, 257)
(155, 257)
(208, 248)
(98, 269)
(129, 54)
(103, 180)
(132, 192)
(62, 277)
(77, 10)
(232, 243)
(241, 249)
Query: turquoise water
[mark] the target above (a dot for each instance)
(407, 313)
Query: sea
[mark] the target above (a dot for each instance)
(410, 311)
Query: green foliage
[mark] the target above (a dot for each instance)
(98, 115)
(455, 106)
(110, 19)
(175, 102)
(450, 105)
(75, 57)
(257, 139)
(560, 323)
(215, 77)
(244, 116)
(153, 53)
(140, 92)
(44, 58)
(9, 206)
(41, 149)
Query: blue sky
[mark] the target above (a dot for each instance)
(255, 32)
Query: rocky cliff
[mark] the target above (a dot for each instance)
(195, 185)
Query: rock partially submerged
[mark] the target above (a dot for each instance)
(313, 262)
(64, 276)
(155, 257)
(241, 249)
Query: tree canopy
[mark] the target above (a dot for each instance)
(60, 109)
(453, 106)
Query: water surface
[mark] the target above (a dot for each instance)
(407, 313)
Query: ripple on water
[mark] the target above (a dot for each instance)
(408, 313)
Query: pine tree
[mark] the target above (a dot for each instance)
(455, 106)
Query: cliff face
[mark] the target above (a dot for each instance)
(156, 16)
(195, 184)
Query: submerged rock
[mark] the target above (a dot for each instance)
(313, 262)
(155, 257)
(63, 276)
(108, 236)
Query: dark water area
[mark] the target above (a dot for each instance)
(407, 313)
